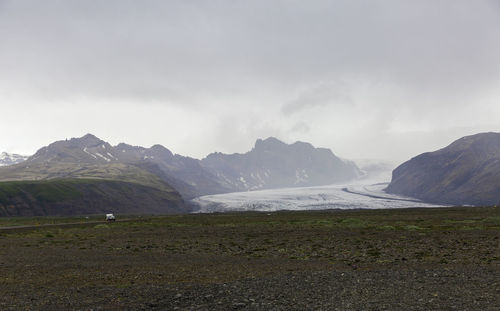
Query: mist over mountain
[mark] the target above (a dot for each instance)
(465, 172)
(274, 164)
(183, 173)
(157, 173)
(11, 158)
(376, 170)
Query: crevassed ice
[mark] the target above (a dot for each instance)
(340, 196)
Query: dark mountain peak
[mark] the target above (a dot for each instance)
(269, 143)
(160, 150)
(123, 145)
(302, 145)
(157, 150)
(126, 147)
(486, 136)
(87, 148)
(87, 140)
(89, 136)
(274, 164)
(214, 155)
(489, 141)
(158, 147)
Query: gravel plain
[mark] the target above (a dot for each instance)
(408, 259)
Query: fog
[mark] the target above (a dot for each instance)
(370, 80)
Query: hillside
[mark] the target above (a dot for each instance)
(275, 164)
(184, 173)
(85, 196)
(465, 172)
(89, 167)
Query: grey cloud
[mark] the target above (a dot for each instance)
(109, 48)
(301, 127)
(393, 66)
(333, 93)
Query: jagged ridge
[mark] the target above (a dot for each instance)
(274, 164)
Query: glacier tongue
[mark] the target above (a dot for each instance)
(339, 196)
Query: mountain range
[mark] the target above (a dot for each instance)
(273, 164)
(88, 175)
(167, 180)
(467, 172)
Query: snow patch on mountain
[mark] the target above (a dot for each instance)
(11, 158)
(103, 157)
(93, 155)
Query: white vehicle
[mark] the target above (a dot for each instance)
(110, 217)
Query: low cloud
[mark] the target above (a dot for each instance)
(301, 127)
(200, 76)
(320, 95)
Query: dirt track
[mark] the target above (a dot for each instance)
(18, 228)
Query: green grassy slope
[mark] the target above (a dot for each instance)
(77, 196)
(53, 170)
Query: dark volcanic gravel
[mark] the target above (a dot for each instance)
(422, 259)
(470, 288)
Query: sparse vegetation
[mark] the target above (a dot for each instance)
(152, 260)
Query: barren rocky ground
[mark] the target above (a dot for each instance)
(411, 259)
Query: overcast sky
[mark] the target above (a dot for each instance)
(368, 79)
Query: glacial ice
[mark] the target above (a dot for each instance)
(359, 195)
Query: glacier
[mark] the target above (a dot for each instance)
(356, 195)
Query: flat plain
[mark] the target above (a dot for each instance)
(398, 259)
